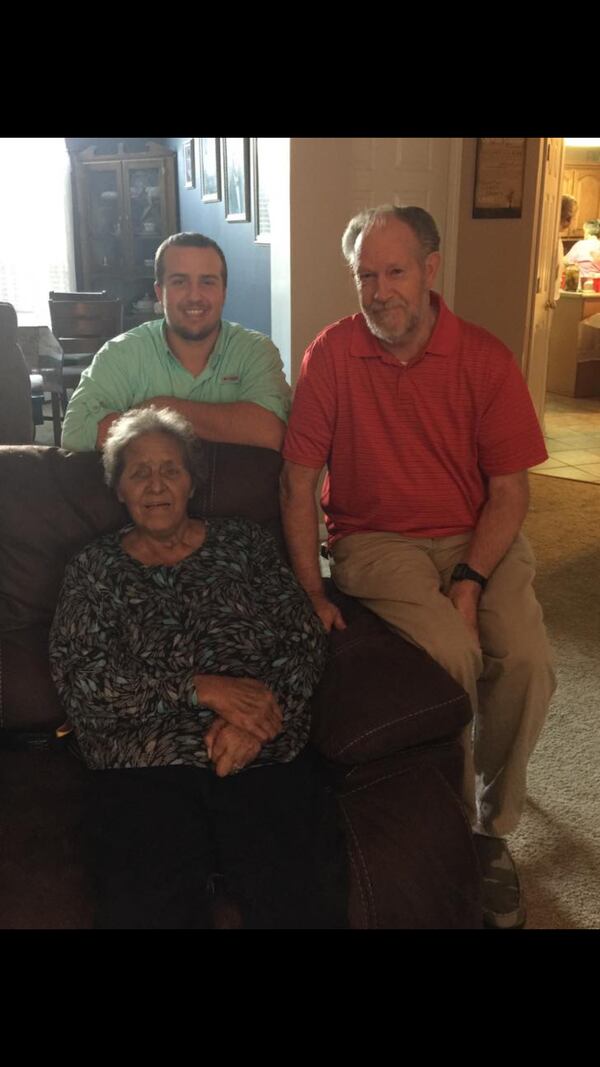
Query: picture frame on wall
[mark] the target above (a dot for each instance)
(210, 170)
(236, 178)
(261, 171)
(499, 178)
(189, 163)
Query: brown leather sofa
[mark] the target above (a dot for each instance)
(386, 717)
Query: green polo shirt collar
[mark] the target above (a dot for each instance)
(213, 359)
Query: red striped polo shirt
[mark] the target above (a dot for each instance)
(410, 448)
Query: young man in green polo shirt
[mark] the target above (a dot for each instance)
(227, 380)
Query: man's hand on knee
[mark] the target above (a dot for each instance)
(465, 596)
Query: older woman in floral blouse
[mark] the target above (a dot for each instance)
(185, 655)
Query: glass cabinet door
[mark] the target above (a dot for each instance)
(126, 205)
(145, 201)
(105, 249)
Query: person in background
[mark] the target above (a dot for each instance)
(586, 253)
(226, 380)
(185, 654)
(427, 429)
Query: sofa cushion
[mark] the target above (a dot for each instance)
(28, 699)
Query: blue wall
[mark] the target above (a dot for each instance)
(248, 263)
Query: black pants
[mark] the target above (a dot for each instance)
(157, 835)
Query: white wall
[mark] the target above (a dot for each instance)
(494, 257)
(324, 181)
(311, 204)
(279, 208)
(321, 204)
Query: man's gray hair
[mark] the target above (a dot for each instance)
(140, 421)
(419, 221)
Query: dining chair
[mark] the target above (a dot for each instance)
(82, 323)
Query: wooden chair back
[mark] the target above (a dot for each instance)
(82, 322)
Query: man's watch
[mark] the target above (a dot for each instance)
(463, 572)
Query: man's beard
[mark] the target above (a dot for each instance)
(198, 334)
(412, 323)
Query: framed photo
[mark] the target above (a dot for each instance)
(236, 178)
(189, 164)
(499, 176)
(261, 172)
(210, 170)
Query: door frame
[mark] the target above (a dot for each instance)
(533, 369)
(450, 252)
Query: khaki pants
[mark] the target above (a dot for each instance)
(509, 680)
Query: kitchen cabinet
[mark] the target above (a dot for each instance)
(574, 364)
(582, 181)
(125, 206)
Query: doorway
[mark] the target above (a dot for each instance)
(572, 433)
(571, 397)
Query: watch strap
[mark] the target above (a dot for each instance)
(462, 572)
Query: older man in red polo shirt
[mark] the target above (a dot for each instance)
(427, 429)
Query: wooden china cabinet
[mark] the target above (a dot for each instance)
(125, 206)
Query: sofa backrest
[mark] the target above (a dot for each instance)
(53, 502)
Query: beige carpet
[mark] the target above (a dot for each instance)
(557, 844)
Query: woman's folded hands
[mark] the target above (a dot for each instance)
(248, 716)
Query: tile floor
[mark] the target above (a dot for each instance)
(572, 431)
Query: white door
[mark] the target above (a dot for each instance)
(421, 171)
(535, 365)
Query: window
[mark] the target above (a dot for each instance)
(263, 176)
(36, 242)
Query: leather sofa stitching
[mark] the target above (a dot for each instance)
(349, 645)
(357, 850)
(392, 722)
(376, 781)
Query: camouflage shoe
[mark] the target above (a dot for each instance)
(503, 904)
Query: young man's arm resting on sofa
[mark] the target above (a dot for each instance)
(240, 422)
(115, 383)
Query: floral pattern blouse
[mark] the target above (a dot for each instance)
(128, 638)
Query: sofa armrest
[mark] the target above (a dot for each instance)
(380, 694)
